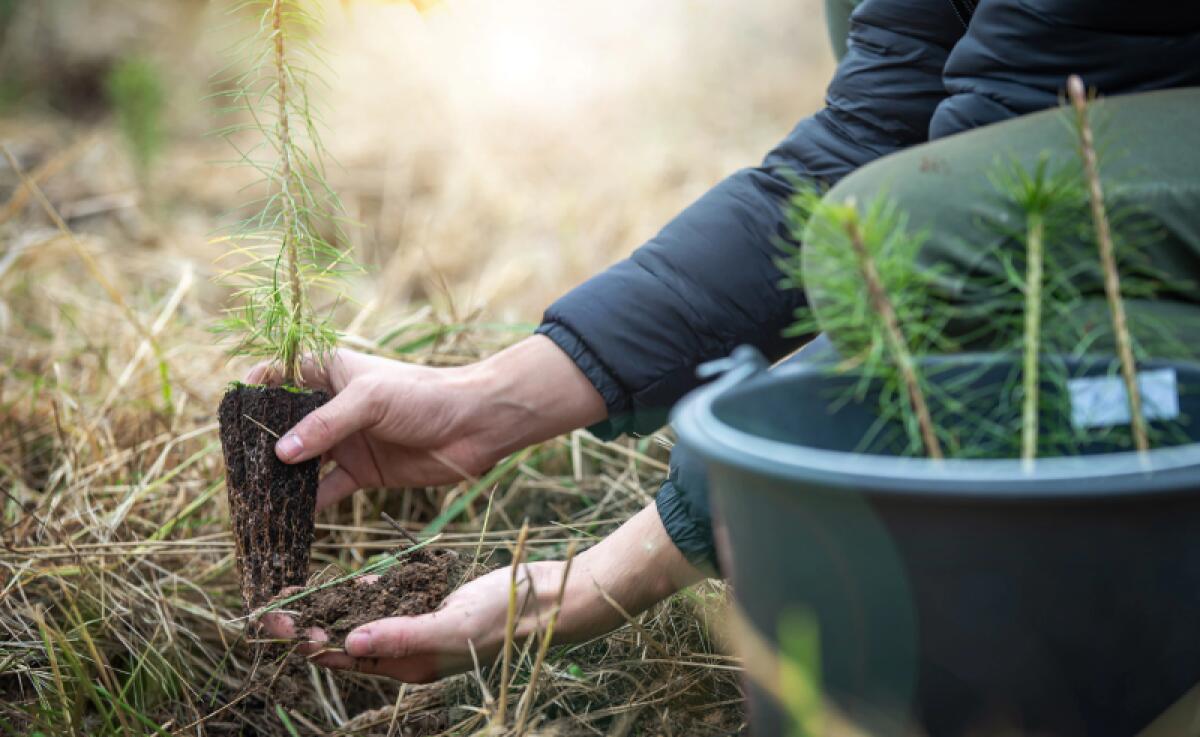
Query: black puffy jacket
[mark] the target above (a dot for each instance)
(915, 70)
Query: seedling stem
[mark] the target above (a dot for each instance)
(892, 332)
(1112, 281)
(291, 347)
(1035, 235)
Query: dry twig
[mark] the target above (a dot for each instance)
(544, 646)
(510, 625)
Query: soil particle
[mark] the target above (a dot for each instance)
(271, 503)
(417, 584)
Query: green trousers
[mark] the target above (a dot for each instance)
(1150, 169)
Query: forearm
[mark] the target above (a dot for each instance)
(636, 567)
(528, 393)
(531, 392)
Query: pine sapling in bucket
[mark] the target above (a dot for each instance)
(1036, 335)
(287, 251)
(1112, 279)
(884, 323)
(888, 311)
(1043, 201)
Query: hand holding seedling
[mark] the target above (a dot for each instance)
(396, 424)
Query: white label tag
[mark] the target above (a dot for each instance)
(1101, 401)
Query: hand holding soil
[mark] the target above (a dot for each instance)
(417, 585)
(636, 566)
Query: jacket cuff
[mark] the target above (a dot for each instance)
(616, 397)
(689, 530)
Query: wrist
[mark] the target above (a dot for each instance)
(527, 393)
(635, 567)
(583, 612)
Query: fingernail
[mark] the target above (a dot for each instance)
(289, 446)
(358, 643)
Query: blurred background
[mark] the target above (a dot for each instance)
(494, 153)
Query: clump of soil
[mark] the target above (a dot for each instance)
(271, 503)
(417, 584)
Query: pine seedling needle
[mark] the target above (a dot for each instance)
(1112, 280)
(893, 334)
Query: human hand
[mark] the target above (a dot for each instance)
(396, 424)
(420, 649)
(636, 566)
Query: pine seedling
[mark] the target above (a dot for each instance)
(289, 249)
(893, 335)
(1053, 192)
(289, 253)
(1104, 242)
(1035, 245)
(878, 305)
(1036, 309)
(1039, 196)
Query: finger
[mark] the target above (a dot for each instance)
(334, 661)
(315, 371)
(262, 373)
(417, 669)
(332, 372)
(334, 487)
(315, 641)
(282, 627)
(401, 637)
(325, 427)
(279, 625)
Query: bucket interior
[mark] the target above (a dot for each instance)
(977, 400)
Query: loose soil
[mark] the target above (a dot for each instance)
(271, 503)
(417, 584)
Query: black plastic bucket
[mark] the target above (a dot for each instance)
(958, 596)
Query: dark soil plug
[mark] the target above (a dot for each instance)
(271, 503)
(417, 584)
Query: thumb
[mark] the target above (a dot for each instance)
(324, 427)
(400, 637)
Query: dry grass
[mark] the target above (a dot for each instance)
(482, 198)
(119, 599)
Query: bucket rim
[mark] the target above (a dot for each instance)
(1159, 471)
